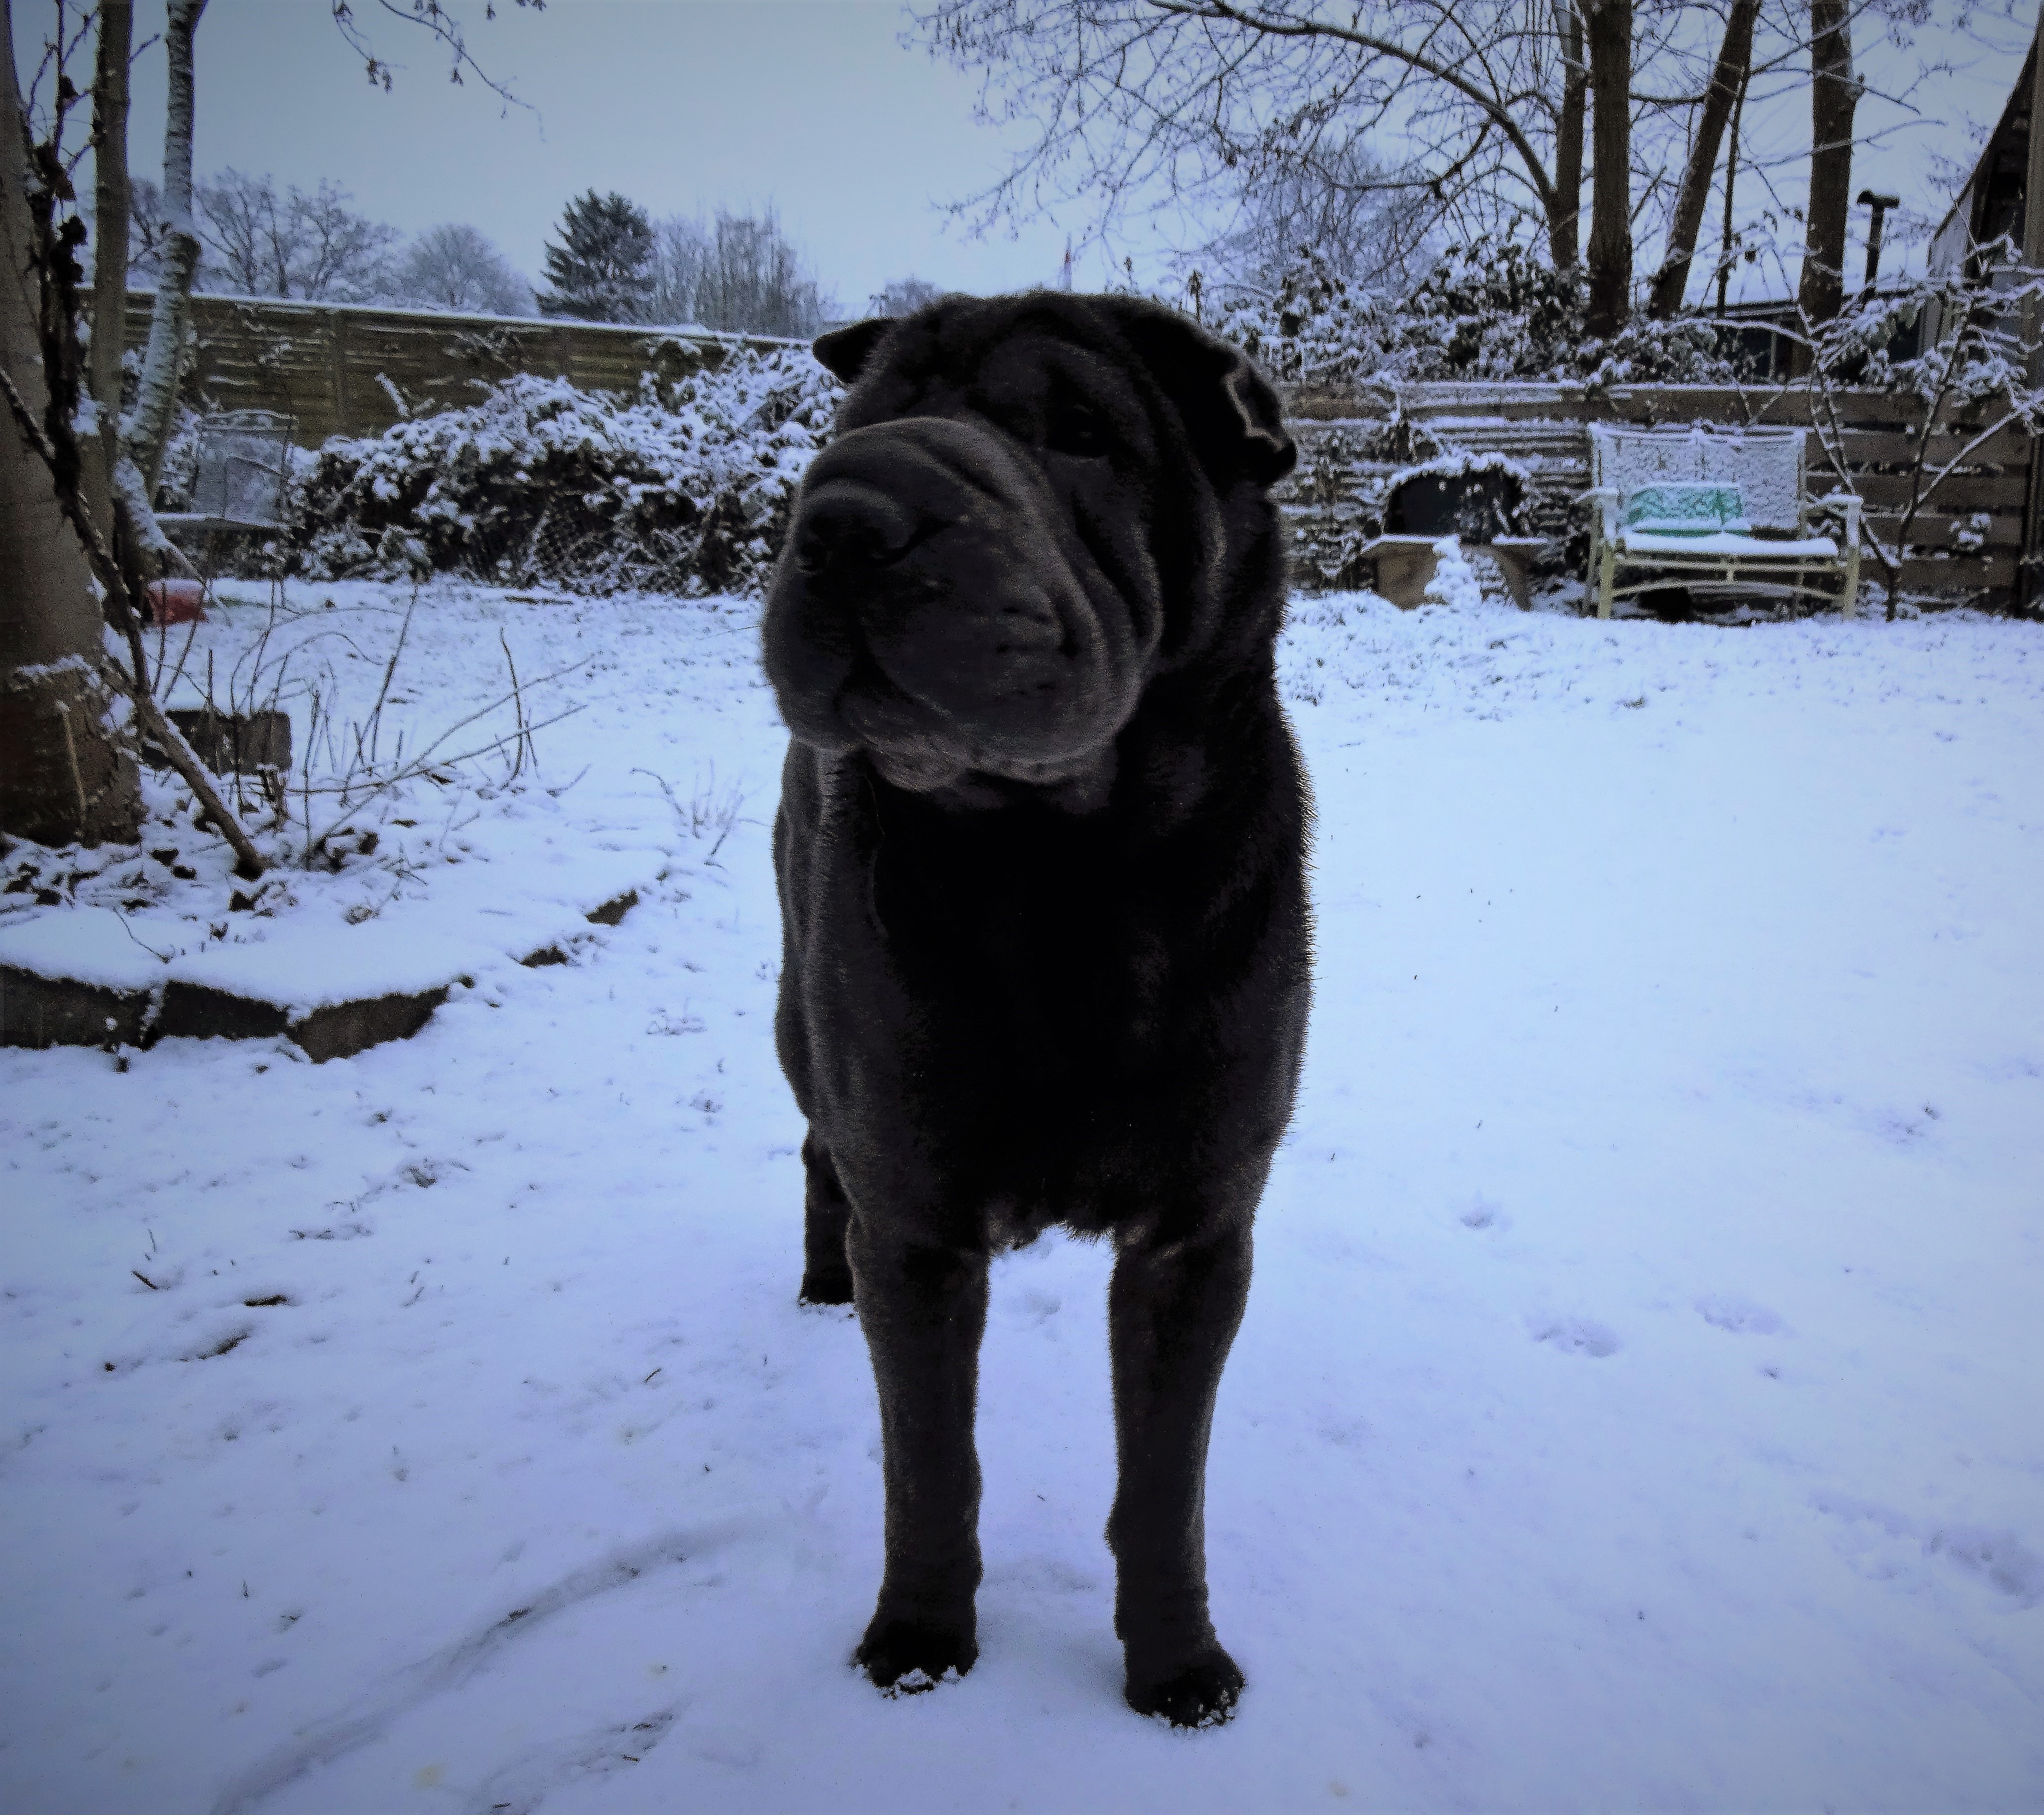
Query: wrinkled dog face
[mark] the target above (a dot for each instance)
(977, 576)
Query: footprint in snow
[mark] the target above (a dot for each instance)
(1480, 1213)
(1741, 1316)
(1994, 1557)
(1576, 1335)
(520, 1787)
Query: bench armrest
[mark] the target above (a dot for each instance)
(1605, 497)
(1850, 503)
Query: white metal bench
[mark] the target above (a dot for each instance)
(243, 473)
(1769, 540)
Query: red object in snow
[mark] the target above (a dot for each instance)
(177, 601)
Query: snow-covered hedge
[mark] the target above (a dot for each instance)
(685, 488)
(1489, 310)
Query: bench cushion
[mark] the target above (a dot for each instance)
(1685, 508)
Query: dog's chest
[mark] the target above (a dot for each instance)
(1032, 948)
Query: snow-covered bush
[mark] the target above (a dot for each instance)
(1488, 310)
(685, 488)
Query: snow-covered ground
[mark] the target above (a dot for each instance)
(1637, 1406)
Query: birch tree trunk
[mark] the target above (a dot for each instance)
(109, 250)
(1608, 28)
(1565, 216)
(147, 430)
(1834, 98)
(1735, 58)
(63, 775)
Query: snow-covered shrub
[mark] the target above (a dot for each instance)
(685, 488)
(1488, 310)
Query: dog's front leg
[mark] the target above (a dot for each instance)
(1172, 1312)
(923, 1310)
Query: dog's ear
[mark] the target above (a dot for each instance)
(1267, 447)
(845, 351)
(1227, 403)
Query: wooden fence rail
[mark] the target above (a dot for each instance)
(1968, 540)
(345, 370)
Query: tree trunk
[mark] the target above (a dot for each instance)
(63, 776)
(1731, 179)
(1608, 26)
(109, 250)
(147, 430)
(1834, 96)
(1735, 58)
(1565, 213)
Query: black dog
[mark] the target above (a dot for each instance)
(1041, 860)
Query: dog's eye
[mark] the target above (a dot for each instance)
(1074, 429)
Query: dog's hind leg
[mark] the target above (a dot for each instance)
(1172, 1312)
(826, 1273)
(923, 1310)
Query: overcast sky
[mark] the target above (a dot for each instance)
(811, 106)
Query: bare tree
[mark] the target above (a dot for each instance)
(457, 267)
(439, 22)
(147, 430)
(1835, 95)
(1728, 80)
(1371, 235)
(1139, 103)
(313, 247)
(681, 252)
(1975, 380)
(739, 273)
(1565, 215)
(1607, 30)
(902, 296)
(63, 776)
(109, 252)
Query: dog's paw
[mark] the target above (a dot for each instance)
(826, 1287)
(906, 1657)
(1202, 1694)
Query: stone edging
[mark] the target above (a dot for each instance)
(38, 1011)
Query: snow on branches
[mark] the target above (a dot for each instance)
(1488, 310)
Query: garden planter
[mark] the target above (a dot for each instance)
(177, 601)
(1480, 505)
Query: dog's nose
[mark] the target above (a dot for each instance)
(846, 526)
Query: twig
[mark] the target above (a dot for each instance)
(518, 710)
(421, 765)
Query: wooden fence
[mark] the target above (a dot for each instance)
(342, 369)
(1968, 542)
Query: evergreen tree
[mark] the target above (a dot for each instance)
(603, 270)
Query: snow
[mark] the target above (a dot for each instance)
(1724, 542)
(86, 943)
(1636, 1406)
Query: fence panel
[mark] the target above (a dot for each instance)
(344, 369)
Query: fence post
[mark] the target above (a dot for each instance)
(336, 328)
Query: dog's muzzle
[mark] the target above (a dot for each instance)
(927, 608)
